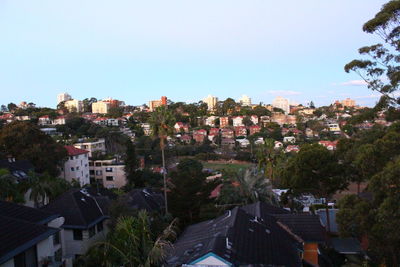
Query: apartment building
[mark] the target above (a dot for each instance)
(100, 107)
(109, 173)
(95, 146)
(76, 167)
(74, 105)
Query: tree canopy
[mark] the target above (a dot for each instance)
(24, 140)
(380, 69)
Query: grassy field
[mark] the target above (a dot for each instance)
(217, 166)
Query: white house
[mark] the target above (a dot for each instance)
(83, 227)
(289, 139)
(237, 121)
(33, 237)
(98, 146)
(76, 167)
(210, 121)
(254, 119)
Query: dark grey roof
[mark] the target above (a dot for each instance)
(347, 245)
(307, 226)
(238, 238)
(145, 199)
(32, 215)
(21, 227)
(79, 209)
(262, 209)
(332, 221)
(18, 168)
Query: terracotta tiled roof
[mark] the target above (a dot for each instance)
(73, 151)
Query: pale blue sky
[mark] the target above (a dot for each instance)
(185, 49)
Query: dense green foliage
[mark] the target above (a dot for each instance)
(190, 191)
(25, 141)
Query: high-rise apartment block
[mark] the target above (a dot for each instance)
(63, 97)
(348, 102)
(157, 103)
(282, 103)
(245, 100)
(74, 105)
(211, 102)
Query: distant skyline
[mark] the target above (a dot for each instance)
(137, 51)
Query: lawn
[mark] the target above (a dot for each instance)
(217, 166)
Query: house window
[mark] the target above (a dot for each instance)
(109, 169)
(100, 227)
(71, 158)
(92, 231)
(110, 178)
(91, 172)
(26, 258)
(99, 172)
(98, 164)
(72, 169)
(77, 168)
(90, 163)
(56, 238)
(78, 234)
(58, 255)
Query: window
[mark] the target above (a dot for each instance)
(99, 172)
(92, 231)
(109, 169)
(78, 234)
(90, 163)
(77, 168)
(110, 178)
(72, 169)
(91, 172)
(100, 227)
(85, 165)
(71, 158)
(58, 255)
(56, 238)
(26, 258)
(98, 164)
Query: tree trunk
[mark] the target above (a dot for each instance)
(328, 220)
(164, 178)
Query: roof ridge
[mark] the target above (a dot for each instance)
(77, 206)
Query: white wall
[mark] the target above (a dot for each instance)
(73, 247)
(80, 163)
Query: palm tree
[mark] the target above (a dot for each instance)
(9, 187)
(161, 122)
(132, 244)
(38, 187)
(254, 187)
(268, 157)
(247, 187)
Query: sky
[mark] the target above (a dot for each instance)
(137, 51)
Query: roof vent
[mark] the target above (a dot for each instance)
(228, 244)
(188, 252)
(267, 231)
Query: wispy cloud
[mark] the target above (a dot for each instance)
(367, 96)
(283, 92)
(353, 83)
